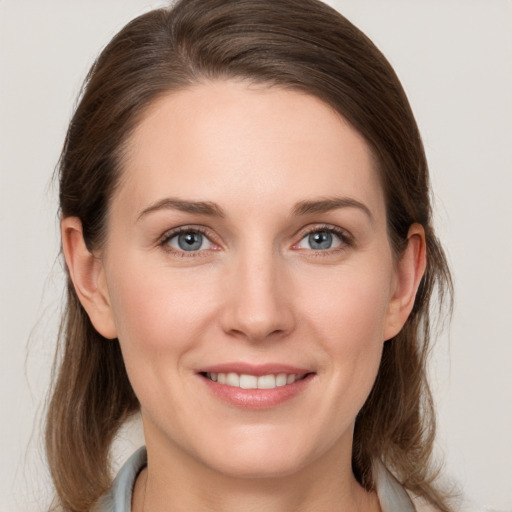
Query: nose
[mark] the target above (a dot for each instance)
(258, 299)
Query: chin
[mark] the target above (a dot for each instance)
(260, 467)
(258, 457)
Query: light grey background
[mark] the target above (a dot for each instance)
(454, 58)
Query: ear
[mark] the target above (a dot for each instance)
(409, 271)
(88, 277)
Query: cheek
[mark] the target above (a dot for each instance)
(349, 318)
(156, 310)
(350, 306)
(159, 316)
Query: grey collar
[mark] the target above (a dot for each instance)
(392, 496)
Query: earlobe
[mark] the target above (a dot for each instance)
(409, 271)
(88, 277)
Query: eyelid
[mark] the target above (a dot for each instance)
(171, 233)
(345, 237)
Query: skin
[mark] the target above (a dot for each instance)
(256, 292)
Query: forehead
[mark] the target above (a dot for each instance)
(231, 141)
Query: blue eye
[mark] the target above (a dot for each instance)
(321, 240)
(189, 241)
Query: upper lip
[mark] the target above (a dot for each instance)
(254, 369)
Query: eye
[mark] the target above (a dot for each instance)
(189, 240)
(322, 240)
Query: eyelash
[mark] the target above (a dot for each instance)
(169, 235)
(345, 238)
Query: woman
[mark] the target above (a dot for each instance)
(247, 231)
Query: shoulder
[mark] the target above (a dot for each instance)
(119, 496)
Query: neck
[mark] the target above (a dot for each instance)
(179, 483)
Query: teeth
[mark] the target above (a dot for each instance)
(266, 382)
(245, 381)
(281, 379)
(248, 381)
(233, 379)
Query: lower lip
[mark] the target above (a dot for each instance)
(257, 399)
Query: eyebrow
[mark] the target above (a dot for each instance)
(301, 208)
(328, 204)
(200, 207)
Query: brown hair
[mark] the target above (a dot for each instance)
(301, 45)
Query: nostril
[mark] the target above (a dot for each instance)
(258, 334)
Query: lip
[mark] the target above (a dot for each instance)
(256, 399)
(254, 369)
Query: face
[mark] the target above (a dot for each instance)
(249, 277)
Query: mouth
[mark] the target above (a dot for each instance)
(248, 381)
(256, 387)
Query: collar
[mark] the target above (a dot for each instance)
(392, 496)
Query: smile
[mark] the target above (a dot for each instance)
(256, 386)
(246, 381)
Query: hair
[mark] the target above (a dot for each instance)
(300, 45)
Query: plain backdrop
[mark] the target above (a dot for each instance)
(454, 58)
